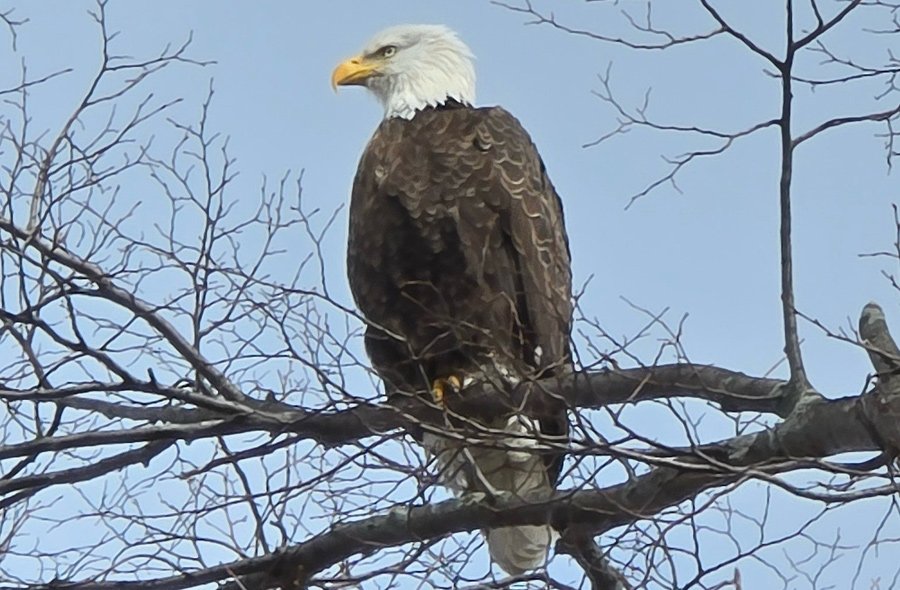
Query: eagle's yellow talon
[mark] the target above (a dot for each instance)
(441, 387)
(437, 392)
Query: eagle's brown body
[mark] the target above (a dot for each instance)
(458, 256)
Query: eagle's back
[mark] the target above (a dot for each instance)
(457, 248)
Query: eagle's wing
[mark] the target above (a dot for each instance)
(531, 217)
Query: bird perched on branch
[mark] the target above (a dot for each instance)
(459, 260)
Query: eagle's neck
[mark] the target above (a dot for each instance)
(405, 105)
(447, 77)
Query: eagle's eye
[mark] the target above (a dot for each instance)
(387, 51)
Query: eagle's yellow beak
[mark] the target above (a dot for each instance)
(354, 71)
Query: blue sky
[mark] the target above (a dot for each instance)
(708, 251)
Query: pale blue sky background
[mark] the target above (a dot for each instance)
(710, 251)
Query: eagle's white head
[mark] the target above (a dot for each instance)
(411, 67)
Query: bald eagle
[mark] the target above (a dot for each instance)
(458, 259)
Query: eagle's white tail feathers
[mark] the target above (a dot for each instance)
(518, 549)
(516, 468)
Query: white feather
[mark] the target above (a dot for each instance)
(516, 468)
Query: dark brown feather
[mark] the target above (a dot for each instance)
(458, 256)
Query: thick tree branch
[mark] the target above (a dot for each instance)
(840, 121)
(34, 483)
(739, 35)
(733, 391)
(822, 429)
(882, 408)
(596, 566)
